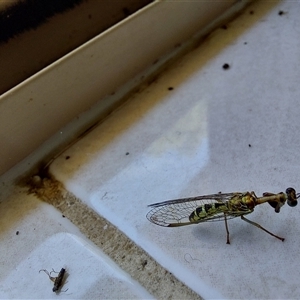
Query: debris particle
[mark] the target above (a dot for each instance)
(155, 62)
(281, 12)
(36, 181)
(226, 66)
(170, 88)
(144, 263)
(17, 232)
(68, 157)
(224, 27)
(127, 153)
(189, 258)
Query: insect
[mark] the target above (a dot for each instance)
(217, 207)
(58, 281)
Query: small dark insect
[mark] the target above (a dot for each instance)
(170, 88)
(67, 157)
(58, 281)
(63, 216)
(17, 232)
(226, 66)
(249, 146)
(127, 153)
(224, 27)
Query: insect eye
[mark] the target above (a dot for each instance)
(291, 197)
(292, 203)
(290, 191)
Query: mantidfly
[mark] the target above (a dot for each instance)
(58, 281)
(216, 207)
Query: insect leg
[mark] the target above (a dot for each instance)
(53, 271)
(226, 226)
(50, 277)
(259, 226)
(45, 272)
(253, 194)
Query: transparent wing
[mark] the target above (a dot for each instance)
(173, 213)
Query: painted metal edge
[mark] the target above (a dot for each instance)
(37, 108)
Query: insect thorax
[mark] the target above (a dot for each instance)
(242, 202)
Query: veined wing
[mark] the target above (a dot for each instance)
(173, 213)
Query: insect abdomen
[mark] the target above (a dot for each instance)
(206, 210)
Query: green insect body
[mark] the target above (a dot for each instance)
(216, 207)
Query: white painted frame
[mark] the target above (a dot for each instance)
(104, 69)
